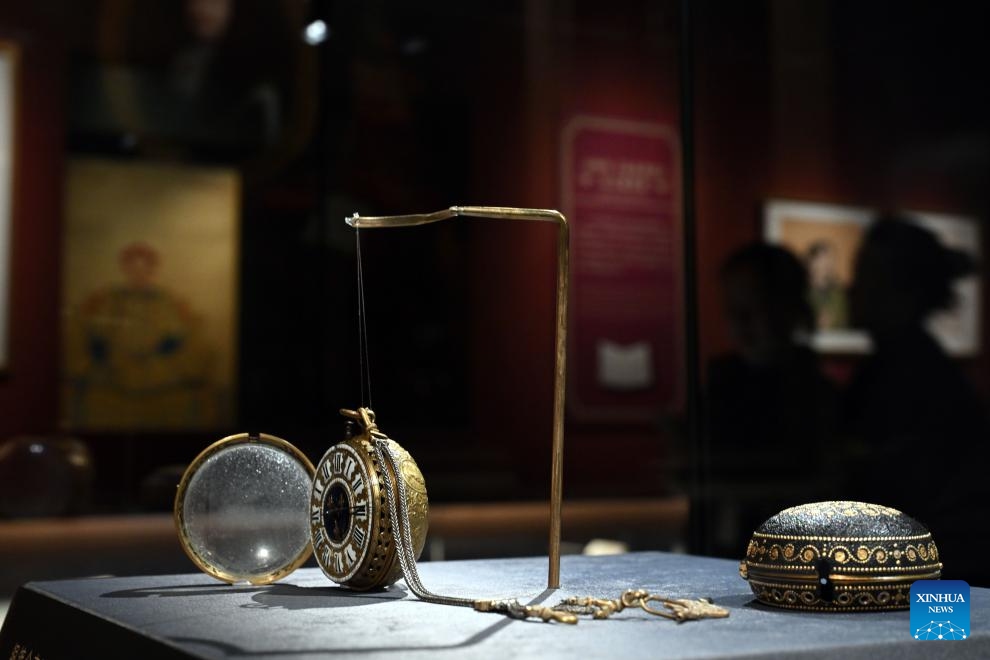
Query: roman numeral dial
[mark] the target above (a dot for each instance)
(349, 518)
(343, 515)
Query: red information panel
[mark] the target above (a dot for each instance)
(621, 196)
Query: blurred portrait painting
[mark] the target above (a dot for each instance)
(144, 346)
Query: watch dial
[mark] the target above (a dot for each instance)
(337, 513)
(341, 512)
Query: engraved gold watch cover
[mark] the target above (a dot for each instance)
(241, 509)
(352, 531)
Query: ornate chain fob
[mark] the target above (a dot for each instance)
(839, 557)
(351, 527)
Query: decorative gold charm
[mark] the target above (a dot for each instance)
(678, 609)
(687, 609)
(516, 610)
(567, 610)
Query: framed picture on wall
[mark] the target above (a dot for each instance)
(8, 113)
(826, 238)
(149, 286)
(959, 328)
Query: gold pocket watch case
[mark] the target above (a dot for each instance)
(351, 527)
(241, 509)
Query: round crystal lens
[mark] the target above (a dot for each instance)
(244, 512)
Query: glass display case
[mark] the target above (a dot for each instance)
(777, 213)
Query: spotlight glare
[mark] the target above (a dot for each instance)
(316, 33)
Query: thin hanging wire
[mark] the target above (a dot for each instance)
(364, 364)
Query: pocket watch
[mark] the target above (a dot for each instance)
(241, 514)
(352, 530)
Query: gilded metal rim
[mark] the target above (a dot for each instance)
(180, 494)
(856, 591)
(933, 574)
(842, 539)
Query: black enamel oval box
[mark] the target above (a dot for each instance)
(839, 557)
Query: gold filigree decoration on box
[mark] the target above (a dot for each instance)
(844, 551)
(859, 598)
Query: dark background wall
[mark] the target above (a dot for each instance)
(824, 101)
(866, 105)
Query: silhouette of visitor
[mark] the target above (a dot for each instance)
(769, 409)
(915, 420)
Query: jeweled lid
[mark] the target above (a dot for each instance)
(241, 509)
(842, 519)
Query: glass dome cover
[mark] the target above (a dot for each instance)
(241, 509)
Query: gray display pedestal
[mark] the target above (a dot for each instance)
(304, 616)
